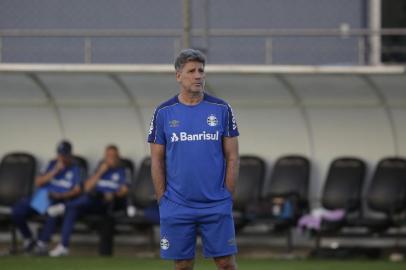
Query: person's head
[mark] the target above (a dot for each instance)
(189, 66)
(64, 151)
(112, 155)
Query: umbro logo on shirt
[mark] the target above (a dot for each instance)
(204, 136)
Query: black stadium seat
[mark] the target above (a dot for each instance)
(17, 173)
(343, 185)
(142, 191)
(289, 182)
(129, 167)
(83, 165)
(290, 178)
(248, 188)
(387, 193)
(342, 190)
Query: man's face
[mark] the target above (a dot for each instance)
(111, 157)
(191, 77)
(65, 159)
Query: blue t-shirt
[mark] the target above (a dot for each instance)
(65, 180)
(111, 180)
(193, 139)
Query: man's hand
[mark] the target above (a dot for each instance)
(108, 196)
(103, 168)
(55, 195)
(60, 166)
(92, 181)
(50, 175)
(158, 169)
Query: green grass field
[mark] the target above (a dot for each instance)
(124, 263)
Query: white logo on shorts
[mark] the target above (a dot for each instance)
(164, 243)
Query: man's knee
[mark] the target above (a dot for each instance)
(184, 264)
(226, 263)
(18, 212)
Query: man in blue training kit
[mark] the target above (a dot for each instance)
(194, 154)
(61, 179)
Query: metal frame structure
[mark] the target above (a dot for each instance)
(183, 36)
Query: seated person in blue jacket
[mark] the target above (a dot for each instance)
(104, 190)
(61, 181)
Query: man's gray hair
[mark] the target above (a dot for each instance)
(189, 55)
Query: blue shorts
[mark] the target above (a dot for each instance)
(181, 224)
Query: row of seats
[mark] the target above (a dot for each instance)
(385, 193)
(255, 194)
(17, 176)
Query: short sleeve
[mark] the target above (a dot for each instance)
(231, 123)
(156, 130)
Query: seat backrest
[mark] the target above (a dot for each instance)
(344, 183)
(17, 174)
(129, 167)
(250, 181)
(83, 166)
(290, 176)
(142, 191)
(387, 190)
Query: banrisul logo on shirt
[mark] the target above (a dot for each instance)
(188, 137)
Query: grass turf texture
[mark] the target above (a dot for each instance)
(124, 263)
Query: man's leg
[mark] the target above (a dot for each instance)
(218, 235)
(184, 264)
(73, 209)
(21, 211)
(48, 229)
(226, 262)
(178, 233)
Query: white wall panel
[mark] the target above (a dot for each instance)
(359, 132)
(19, 88)
(31, 129)
(91, 129)
(399, 117)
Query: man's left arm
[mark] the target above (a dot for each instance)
(231, 155)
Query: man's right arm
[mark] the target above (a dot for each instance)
(158, 169)
(92, 181)
(45, 178)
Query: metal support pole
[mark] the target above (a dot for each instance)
(88, 50)
(206, 26)
(361, 50)
(268, 51)
(186, 24)
(375, 26)
(1, 49)
(177, 47)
